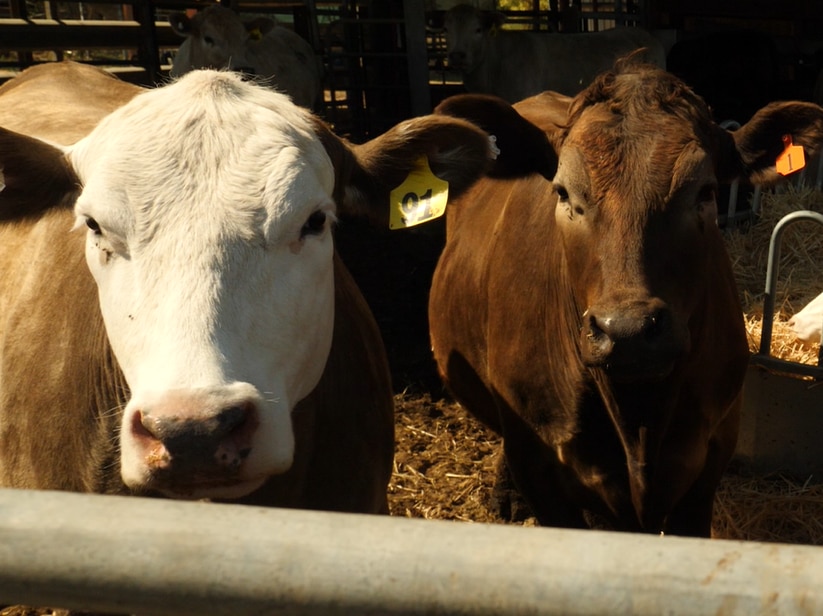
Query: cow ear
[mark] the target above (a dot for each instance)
(456, 151)
(180, 23)
(762, 139)
(34, 176)
(523, 148)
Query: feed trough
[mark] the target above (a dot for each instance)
(782, 421)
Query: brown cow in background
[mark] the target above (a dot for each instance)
(592, 319)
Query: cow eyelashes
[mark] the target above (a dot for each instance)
(315, 224)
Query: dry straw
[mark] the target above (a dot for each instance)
(777, 507)
(801, 268)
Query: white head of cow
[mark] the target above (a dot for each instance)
(466, 29)
(207, 206)
(216, 38)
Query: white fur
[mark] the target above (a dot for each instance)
(808, 323)
(201, 188)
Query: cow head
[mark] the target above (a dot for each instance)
(207, 207)
(467, 29)
(216, 38)
(636, 184)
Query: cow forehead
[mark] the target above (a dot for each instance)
(207, 136)
(650, 156)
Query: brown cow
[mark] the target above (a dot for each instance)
(592, 319)
(195, 335)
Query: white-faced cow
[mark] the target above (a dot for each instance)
(195, 334)
(515, 64)
(217, 38)
(589, 313)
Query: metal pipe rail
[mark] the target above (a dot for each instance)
(156, 557)
(764, 358)
(40, 34)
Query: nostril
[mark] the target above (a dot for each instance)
(655, 325)
(144, 430)
(651, 328)
(231, 418)
(595, 328)
(146, 426)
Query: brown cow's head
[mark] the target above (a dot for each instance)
(639, 162)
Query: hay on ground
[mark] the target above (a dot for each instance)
(445, 469)
(800, 277)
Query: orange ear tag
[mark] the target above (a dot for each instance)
(791, 159)
(420, 198)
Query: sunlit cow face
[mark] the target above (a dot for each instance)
(207, 209)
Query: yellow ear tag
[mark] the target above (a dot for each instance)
(420, 198)
(255, 34)
(791, 159)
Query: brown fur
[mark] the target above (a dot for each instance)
(635, 425)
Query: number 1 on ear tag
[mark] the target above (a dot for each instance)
(420, 198)
(791, 159)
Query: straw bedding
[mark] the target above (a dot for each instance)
(800, 268)
(445, 469)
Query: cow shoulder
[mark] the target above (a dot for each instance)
(61, 101)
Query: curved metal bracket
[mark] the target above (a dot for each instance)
(764, 358)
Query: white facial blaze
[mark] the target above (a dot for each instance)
(198, 194)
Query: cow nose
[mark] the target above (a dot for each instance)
(632, 341)
(180, 443)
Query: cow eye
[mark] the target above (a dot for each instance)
(562, 193)
(315, 224)
(208, 40)
(92, 224)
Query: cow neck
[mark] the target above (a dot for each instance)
(640, 414)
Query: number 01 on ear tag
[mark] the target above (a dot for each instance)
(791, 159)
(420, 198)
